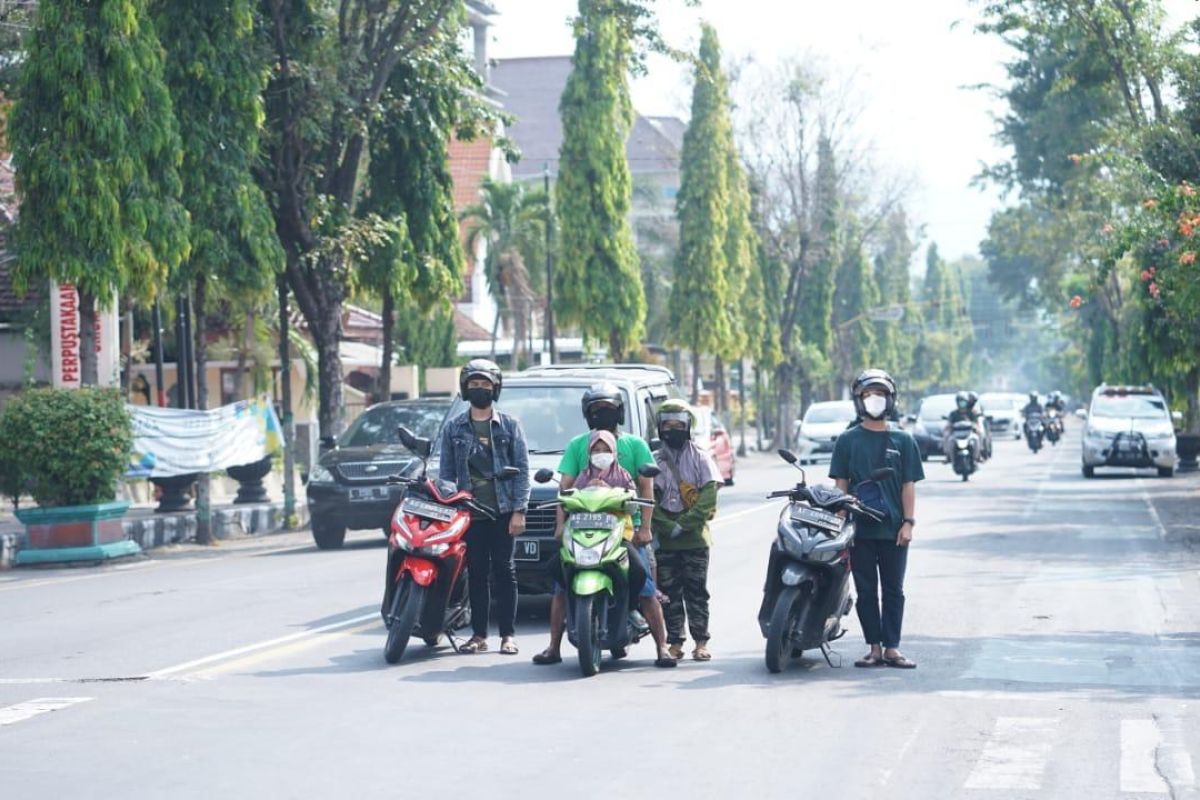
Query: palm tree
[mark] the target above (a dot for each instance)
(511, 220)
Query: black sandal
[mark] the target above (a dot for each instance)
(869, 661)
(546, 657)
(666, 662)
(900, 662)
(476, 644)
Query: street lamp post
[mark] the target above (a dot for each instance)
(551, 337)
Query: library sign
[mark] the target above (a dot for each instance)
(66, 338)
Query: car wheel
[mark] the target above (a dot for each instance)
(1088, 471)
(328, 537)
(1166, 472)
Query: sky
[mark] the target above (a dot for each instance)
(912, 62)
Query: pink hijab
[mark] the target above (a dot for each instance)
(615, 476)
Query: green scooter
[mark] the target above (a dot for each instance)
(595, 559)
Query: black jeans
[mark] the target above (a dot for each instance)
(875, 562)
(490, 570)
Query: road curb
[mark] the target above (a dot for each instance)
(151, 530)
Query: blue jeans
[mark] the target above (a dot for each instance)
(877, 562)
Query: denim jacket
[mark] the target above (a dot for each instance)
(508, 450)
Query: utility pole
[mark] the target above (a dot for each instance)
(551, 336)
(285, 391)
(160, 390)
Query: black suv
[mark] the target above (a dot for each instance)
(546, 400)
(348, 488)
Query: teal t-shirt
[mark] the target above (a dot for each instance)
(632, 454)
(859, 452)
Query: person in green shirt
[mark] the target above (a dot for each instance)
(604, 409)
(879, 555)
(685, 494)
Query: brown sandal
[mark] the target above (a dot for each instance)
(869, 661)
(476, 644)
(508, 646)
(701, 652)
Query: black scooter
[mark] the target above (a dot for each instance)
(808, 576)
(1035, 429)
(966, 444)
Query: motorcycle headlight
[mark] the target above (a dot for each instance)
(320, 474)
(587, 556)
(433, 549)
(963, 444)
(790, 539)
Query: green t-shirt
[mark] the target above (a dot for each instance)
(480, 465)
(858, 452)
(632, 453)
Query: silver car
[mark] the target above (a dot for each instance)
(1129, 426)
(822, 424)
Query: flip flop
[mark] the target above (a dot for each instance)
(869, 661)
(546, 657)
(900, 662)
(508, 647)
(474, 645)
(665, 662)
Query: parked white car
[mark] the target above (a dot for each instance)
(820, 427)
(1129, 426)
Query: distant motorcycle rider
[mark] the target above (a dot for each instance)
(1034, 407)
(1056, 402)
(965, 411)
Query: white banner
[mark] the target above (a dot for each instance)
(176, 441)
(66, 338)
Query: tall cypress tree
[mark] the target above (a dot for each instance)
(597, 281)
(699, 314)
(949, 336)
(856, 295)
(816, 296)
(895, 348)
(97, 152)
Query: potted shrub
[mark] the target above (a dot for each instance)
(67, 449)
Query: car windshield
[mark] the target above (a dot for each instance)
(830, 412)
(936, 406)
(550, 415)
(380, 424)
(999, 401)
(1135, 406)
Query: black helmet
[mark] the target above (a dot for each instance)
(481, 368)
(1033, 397)
(963, 400)
(972, 399)
(604, 393)
(873, 379)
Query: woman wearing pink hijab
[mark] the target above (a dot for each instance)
(602, 468)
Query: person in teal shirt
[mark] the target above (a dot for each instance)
(879, 555)
(604, 409)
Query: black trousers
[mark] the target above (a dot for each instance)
(492, 572)
(875, 563)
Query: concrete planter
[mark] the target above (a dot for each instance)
(250, 481)
(176, 492)
(74, 533)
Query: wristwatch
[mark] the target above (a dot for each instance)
(911, 521)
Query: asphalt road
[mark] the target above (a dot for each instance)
(1056, 628)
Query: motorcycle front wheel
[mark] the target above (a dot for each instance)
(588, 624)
(406, 608)
(779, 630)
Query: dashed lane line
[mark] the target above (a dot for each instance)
(32, 708)
(1015, 755)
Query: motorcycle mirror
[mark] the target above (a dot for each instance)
(422, 447)
(788, 456)
(543, 475)
(508, 473)
(655, 445)
(649, 471)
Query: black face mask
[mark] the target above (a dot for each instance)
(675, 439)
(479, 397)
(603, 418)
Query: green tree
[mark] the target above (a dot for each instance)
(949, 337)
(699, 307)
(97, 153)
(855, 296)
(816, 296)
(597, 277)
(512, 220)
(894, 279)
(332, 64)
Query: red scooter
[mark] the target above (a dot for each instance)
(426, 593)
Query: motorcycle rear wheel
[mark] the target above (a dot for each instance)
(588, 623)
(406, 608)
(779, 630)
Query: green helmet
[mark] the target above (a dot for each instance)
(675, 408)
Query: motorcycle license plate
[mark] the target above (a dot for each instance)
(588, 521)
(527, 550)
(420, 508)
(818, 518)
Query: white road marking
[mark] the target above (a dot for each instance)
(1015, 756)
(1148, 761)
(189, 666)
(723, 518)
(1158, 523)
(32, 708)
